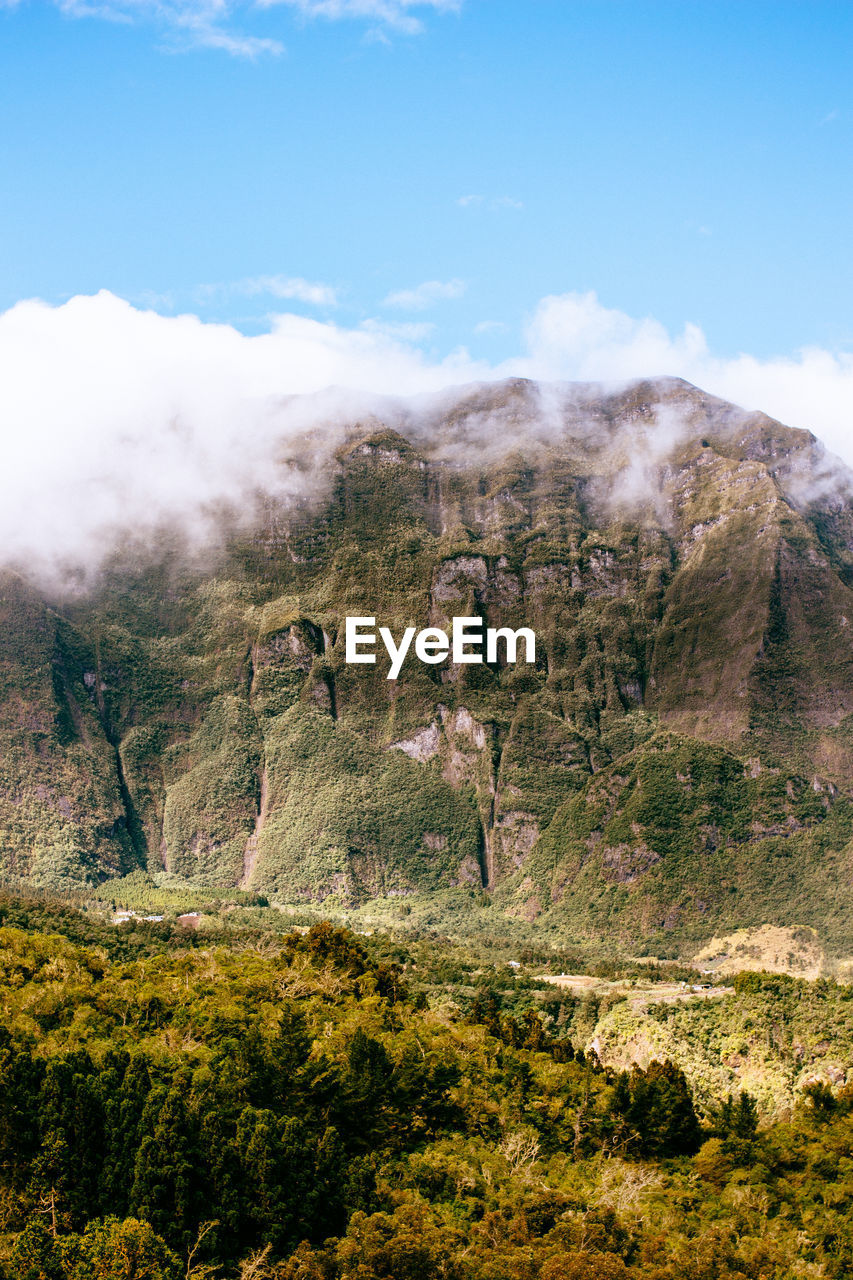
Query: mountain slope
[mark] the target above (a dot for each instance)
(679, 758)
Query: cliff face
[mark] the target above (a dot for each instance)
(680, 756)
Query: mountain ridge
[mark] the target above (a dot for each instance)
(687, 568)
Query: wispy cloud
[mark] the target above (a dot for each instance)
(293, 287)
(425, 295)
(399, 15)
(290, 288)
(233, 43)
(154, 300)
(474, 201)
(406, 331)
(211, 24)
(183, 24)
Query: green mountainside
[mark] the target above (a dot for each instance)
(677, 764)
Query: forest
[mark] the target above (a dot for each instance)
(316, 1105)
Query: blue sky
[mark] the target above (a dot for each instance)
(210, 207)
(686, 161)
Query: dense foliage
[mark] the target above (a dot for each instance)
(298, 1107)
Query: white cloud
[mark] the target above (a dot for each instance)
(116, 417)
(283, 288)
(425, 295)
(154, 301)
(405, 331)
(317, 295)
(573, 336)
(189, 23)
(493, 202)
(207, 36)
(399, 15)
(209, 23)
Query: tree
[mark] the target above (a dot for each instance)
(585, 1266)
(168, 1177)
(72, 1134)
(657, 1107)
(113, 1249)
(35, 1255)
(738, 1120)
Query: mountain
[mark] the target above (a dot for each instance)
(677, 762)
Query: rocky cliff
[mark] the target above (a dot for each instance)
(680, 756)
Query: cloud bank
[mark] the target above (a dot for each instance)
(573, 336)
(115, 418)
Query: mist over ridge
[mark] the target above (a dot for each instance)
(187, 705)
(118, 422)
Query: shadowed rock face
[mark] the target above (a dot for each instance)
(679, 758)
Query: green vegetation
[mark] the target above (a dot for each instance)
(315, 1106)
(677, 832)
(774, 1037)
(351, 820)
